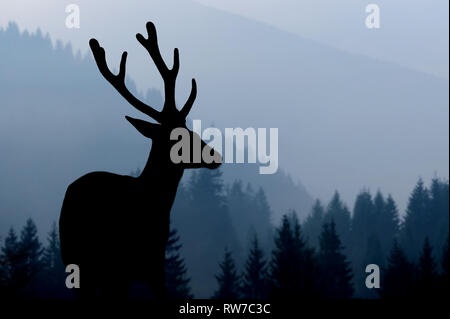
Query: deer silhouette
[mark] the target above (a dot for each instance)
(115, 227)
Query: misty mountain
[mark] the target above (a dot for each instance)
(60, 119)
(345, 121)
(412, 33)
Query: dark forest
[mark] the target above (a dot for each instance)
(324, 256)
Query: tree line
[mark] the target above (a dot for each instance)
(295, 270)
(326, 256)
(322, 257)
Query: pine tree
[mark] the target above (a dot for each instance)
(338, 212)
(308, 262)
(387, 222)
(227, 279)
(177, 281)
(374, 253)
(203, 220)
(293, 264)
(417, 219)
(51, 258)
(254, 279)
(10, 261)
(398, 279)
(336, 274)
(262, 214)
(241, 207)
(31, 249)
(363, 226)
(363, 219)
(437, 231)
(284, 263)
(427, 274)
(313, 224)
(53, 270)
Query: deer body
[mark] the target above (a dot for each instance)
(115, 227)
(115, 233)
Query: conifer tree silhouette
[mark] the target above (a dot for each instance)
(51, 258)
(284, 265)
(53, 272)
(241, 206)
(363, 226)
(100, 205)
(30, 252)
(336, 274)
(227, 279)
(398, 278)
(338, 213)
(438, 223)
(387, 221)
(10, 261)
(254, 278)
(313, 224)
(21, 262)
(293, 264)
(177, 281)
(414, 228)
(262, 217)
(427, 272)
(363, 221)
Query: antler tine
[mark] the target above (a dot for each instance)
(169, 75)
(176, 62)
(187, 107)
(118, 81)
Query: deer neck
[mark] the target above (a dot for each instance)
(160, 167)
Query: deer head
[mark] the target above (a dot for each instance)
(169, 118)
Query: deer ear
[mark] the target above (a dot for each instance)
(147, 129)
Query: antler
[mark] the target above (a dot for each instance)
(187, 107)
(118, 81)
(169, 76)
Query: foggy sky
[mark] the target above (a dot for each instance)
(413, 33)
(360, 124)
